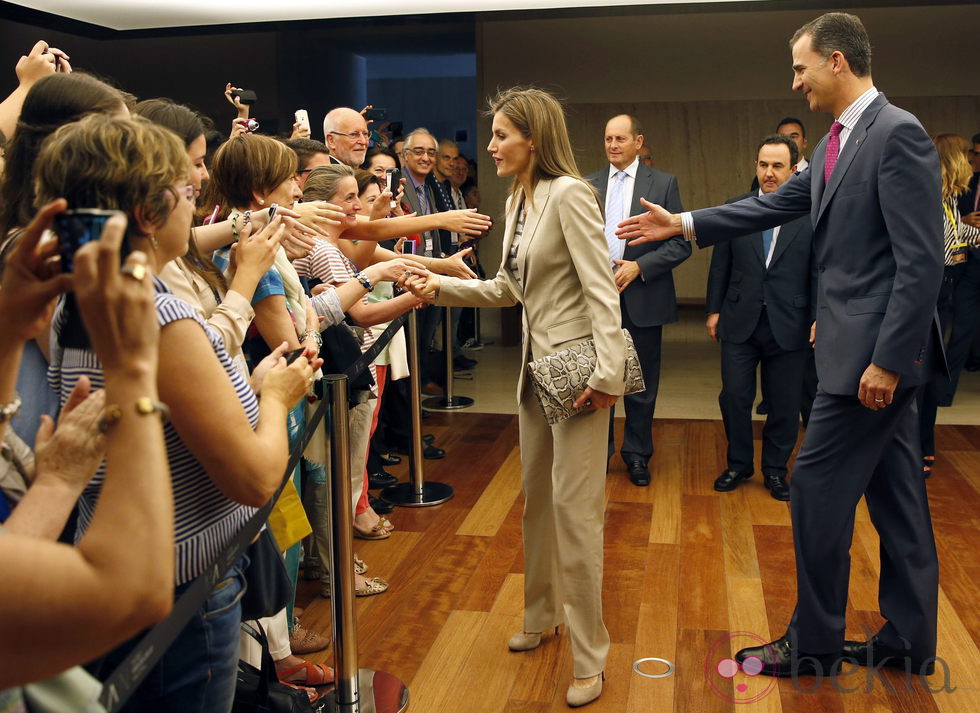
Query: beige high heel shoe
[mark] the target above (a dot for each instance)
(576, 696)
(524, 641)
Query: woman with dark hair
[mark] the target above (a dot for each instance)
(556, 264)
(140, 169)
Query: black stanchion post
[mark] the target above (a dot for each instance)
(448, 401)
(417, 492)
(355, 690)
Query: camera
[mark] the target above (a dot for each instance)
(75, 228)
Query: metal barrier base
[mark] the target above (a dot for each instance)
(379, 692)
(442, 403)
(407, 495)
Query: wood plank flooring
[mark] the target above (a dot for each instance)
(691, 576)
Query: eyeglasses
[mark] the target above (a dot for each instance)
(363, 135)
(419, 152)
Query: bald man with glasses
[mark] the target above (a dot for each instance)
(346, 135)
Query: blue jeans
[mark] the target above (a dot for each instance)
(198, 671)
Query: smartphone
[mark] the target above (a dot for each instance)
(391, 184)
(272, 211)
(245, 96)
(295, 354)
(76, 227)
(375, 114)
(302, 117)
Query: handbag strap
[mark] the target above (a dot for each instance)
(267, 667)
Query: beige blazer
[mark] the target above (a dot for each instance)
(568, 290)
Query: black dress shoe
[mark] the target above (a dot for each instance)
(381, 480)
(389, 459)
(639, 475)
(432, 453)
(777, 487)
(428, 438)
(780, 660)
(382, 507)
(730, 479)
(874, 654)
(763, 408)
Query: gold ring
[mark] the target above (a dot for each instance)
(137, 272)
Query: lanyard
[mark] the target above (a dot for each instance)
(957, 243)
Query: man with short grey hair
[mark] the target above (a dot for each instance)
(345, 132)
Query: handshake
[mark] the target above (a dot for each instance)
(425, 286)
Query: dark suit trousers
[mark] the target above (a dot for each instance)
(850, 451)
(428, 321)
(638, 434)
(782, 385)
(809, 385)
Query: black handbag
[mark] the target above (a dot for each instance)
(340, 350)
(261, 691)
(269, 589)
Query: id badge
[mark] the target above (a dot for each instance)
(428, 245)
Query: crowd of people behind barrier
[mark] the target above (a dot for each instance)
(199, 286)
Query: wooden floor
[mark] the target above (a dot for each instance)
(691, 575)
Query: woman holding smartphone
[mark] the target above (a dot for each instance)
(556, 264)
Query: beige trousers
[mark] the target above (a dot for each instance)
(563, 472)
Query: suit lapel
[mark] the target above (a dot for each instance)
(534, 212)
(854, 143)
(757, 249)
(786, 235)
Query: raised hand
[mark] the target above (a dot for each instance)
(465, 222)
(317, 215)
(654, 225)
(455, 265)
(394, 270)
(41, 61)
(242, 109)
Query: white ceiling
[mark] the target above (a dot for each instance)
(148, 14)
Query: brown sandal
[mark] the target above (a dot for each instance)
(314, 674)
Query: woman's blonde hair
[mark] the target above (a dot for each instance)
(246, 165)
(539, 116)
(954, 167)
(114, 163)
(323, 182)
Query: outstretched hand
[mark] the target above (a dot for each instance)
(655, 225)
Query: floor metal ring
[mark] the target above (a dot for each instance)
(668, 672)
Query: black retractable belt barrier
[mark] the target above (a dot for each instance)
(130, 673)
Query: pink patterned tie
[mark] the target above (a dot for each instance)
(833, 149)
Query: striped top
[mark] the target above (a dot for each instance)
(205, 520)
(328, 264)
(958, 236)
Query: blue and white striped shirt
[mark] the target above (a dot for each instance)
(205, 519)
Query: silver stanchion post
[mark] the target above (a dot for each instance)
(355, 690)
(448, 401)
(417, 492)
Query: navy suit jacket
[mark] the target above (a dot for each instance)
(650, 299)
(878, 242)
(739, 284)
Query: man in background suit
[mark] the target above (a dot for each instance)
(879, 254)
(643, 277)
(345, 132)
(793, 128)
(759, 306)
(418, 159)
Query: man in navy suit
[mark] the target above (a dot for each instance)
(643, 276)
(872, 191)
(759, 306)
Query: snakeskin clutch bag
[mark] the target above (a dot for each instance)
(560, 378)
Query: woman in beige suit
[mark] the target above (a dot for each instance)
(556, 265)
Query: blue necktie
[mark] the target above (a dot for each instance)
(766, 244)
(614, 216)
